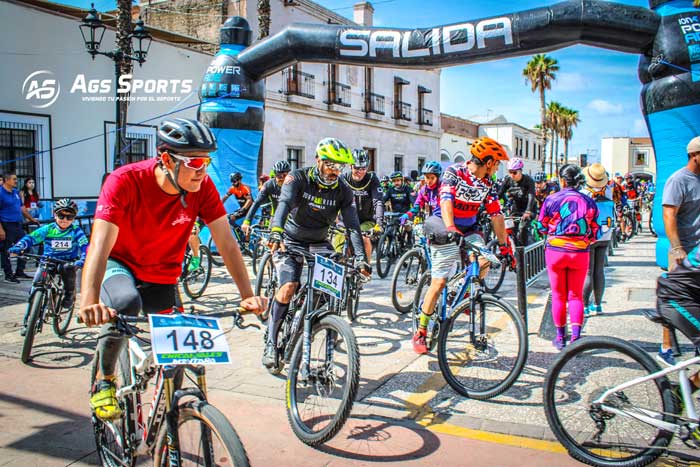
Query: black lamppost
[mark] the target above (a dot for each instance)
(92, 30)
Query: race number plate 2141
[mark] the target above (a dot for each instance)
(181, 339)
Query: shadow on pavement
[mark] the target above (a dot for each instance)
(373, 439)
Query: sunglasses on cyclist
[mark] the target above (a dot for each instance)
(512, 172)
(66, 217)
(358, 168)
(334, 165)
(194, 163)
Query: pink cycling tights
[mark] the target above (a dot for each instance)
(567, 273)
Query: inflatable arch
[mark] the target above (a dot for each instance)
(666, 36)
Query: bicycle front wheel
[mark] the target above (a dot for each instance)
(112, 438)
(61, 319)
(384, 255)
(205, 437)
(405, 279)
(494, 277)
(610, 434)
(319, 404)
(215, 257)
(195, 282)
(266, 283)
(484, 363)
(36, 303)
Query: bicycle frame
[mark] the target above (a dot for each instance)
(647, 416)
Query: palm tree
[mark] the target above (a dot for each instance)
(263, 18)
(570, 120)
(554, 123)
(540, 71)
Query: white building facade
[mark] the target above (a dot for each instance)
(67, 145)
(518, 141)
(624, 155)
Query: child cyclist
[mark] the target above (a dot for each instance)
(62, 240)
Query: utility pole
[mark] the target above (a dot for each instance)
(123, 66)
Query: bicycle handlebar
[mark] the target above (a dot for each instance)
(48, 259)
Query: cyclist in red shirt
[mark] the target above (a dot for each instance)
(144, 217)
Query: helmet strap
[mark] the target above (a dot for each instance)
(173, 180)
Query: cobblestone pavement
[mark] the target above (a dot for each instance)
(396, 385)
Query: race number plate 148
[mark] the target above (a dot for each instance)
(181, 339)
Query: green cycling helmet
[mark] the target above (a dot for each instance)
(332, 149)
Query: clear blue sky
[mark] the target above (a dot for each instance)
(601, 84)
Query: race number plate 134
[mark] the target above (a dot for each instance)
(328, 276)
(182, 339)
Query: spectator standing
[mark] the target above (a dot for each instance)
(30, 197)
(599, 189)
(681, 211)
(11, 216)
(568, 218)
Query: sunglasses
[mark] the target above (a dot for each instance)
(513, 172)
(334, 165)
(65, 217)
(194, 163)
(358, 168)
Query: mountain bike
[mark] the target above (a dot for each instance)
(409, 268)
(353, 279)
(181, 427)
(44, 302)
(195, 282)
(611, 404)
(391, 243)
(257, 244)
(323, 357)
(481, 340)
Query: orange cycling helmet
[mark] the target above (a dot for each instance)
(485, 148)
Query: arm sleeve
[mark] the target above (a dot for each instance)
(377, 201)
(386, 195)
(504, 188)
(262, 195)
(543, 219)
(352, 223)
(530, 196)
(82, 241)
(211, 207)
(288, 200)
(37, 237)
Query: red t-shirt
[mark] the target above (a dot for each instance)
(153, 225)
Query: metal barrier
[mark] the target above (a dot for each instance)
(531, 264)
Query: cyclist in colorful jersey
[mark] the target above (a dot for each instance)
(269, 193)
(568, 218)
(464, 189)
(62, 240)
(243, 195)
(143, 219)
(368, 196)
(428, 197)
(518, 190)
(310, 202)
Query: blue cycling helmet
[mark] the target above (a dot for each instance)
(540, 177)
(432, 167)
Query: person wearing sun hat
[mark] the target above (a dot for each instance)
(598, 188)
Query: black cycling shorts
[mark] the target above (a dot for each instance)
(129, 296)
(289, 266)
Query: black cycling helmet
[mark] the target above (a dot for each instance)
(361, 158)
(65, 204)
(395, 175)
(182, 135)
(572, 174)
(540, 177)
(281, 167)
(235, 177)
(385, 179)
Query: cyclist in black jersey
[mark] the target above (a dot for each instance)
(269, 193)
(518, 189)
(368, 195)
(400, 197)
(310, 202)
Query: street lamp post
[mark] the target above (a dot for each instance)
(92, 29)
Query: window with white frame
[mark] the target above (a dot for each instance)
(295, 156)
(25, 149)
(398, 163)
(139, 145)
(641, 158)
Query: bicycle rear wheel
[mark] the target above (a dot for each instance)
(405, 279)
(206, 438)
(608, 435)
(487, 364)
(36, 303)
(195, 282)
(216, 258)
(112, 438)
(319, 405)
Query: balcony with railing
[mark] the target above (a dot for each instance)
(374, 104)
(402, 111)
(339, 94)
(298, 83)
(425, 117)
